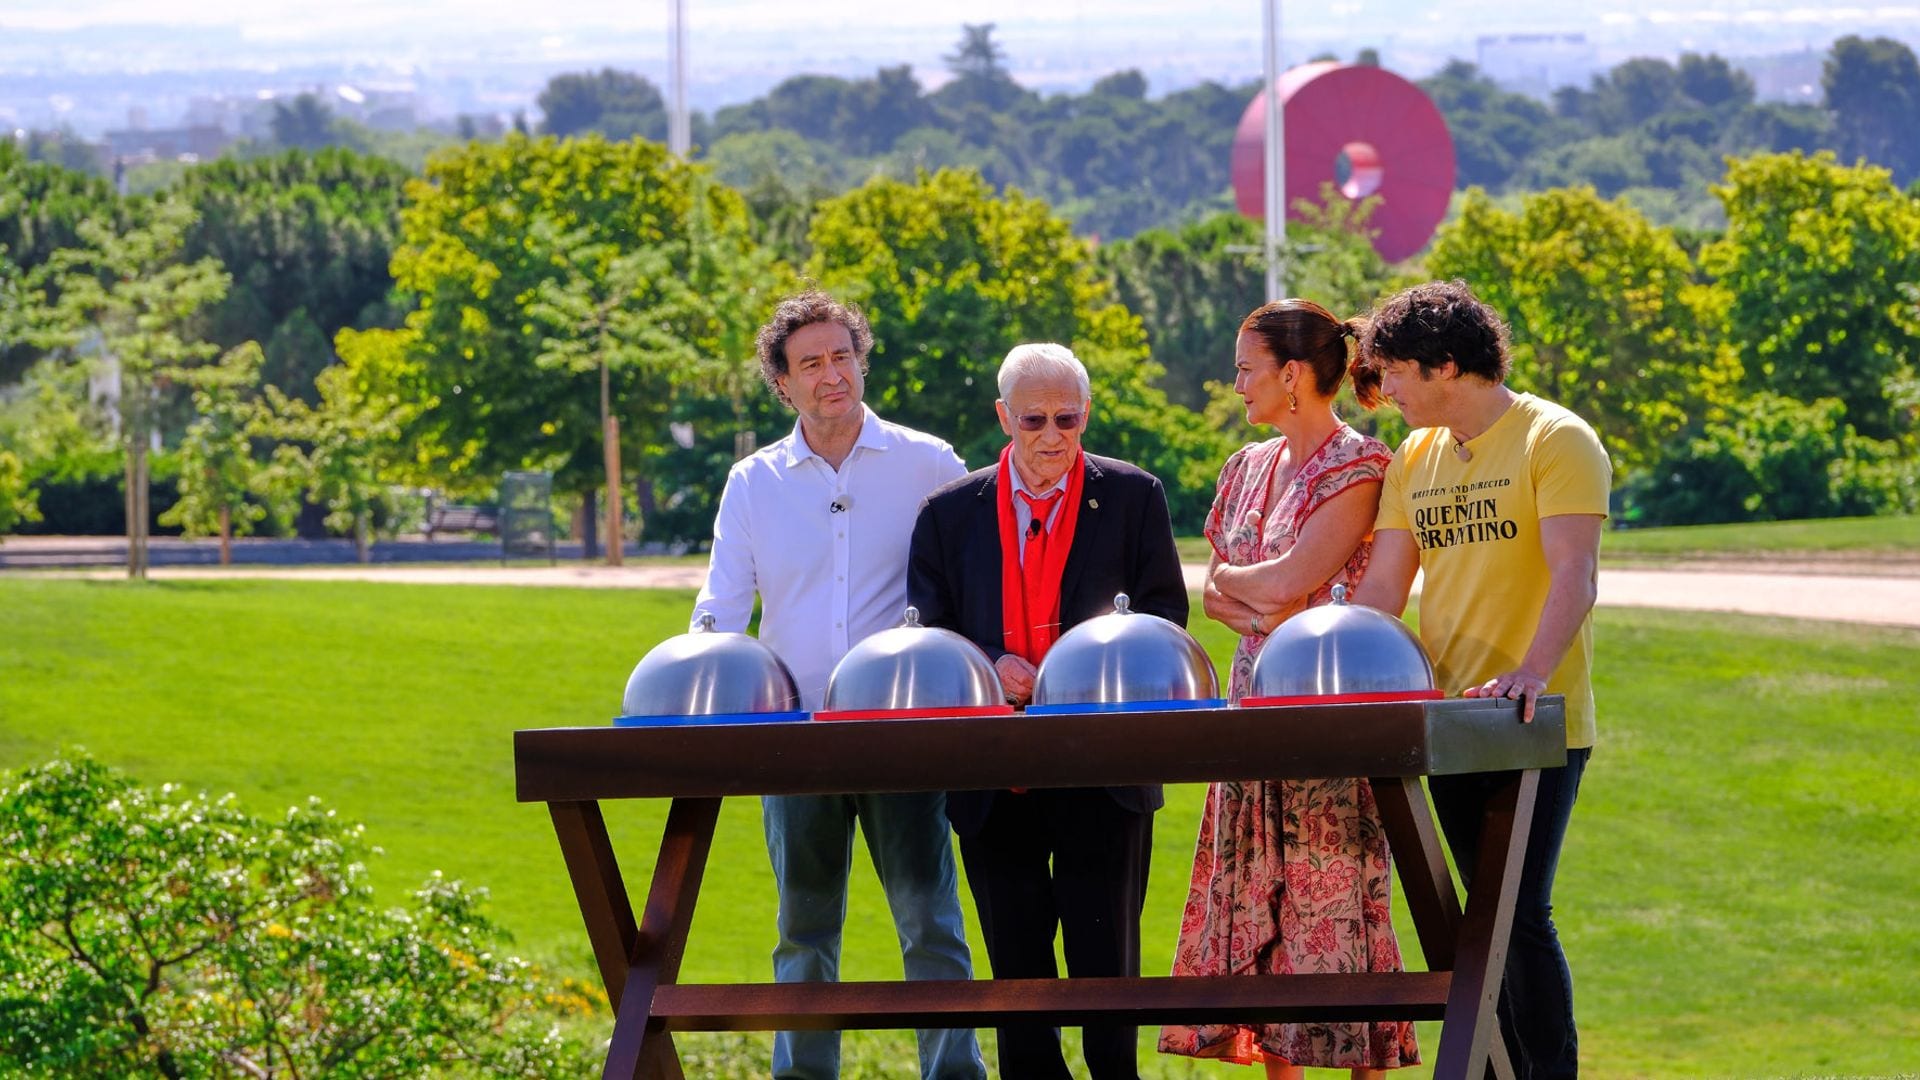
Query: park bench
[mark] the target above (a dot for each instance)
(453, 517)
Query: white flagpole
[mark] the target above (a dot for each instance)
(1276, 161)
(679, 129)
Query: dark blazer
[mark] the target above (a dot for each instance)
(1122, 543)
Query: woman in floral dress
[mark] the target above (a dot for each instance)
(1291, 876)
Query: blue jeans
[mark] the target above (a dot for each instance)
(810, 840)
(1536, 997)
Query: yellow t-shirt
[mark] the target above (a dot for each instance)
(1477, 525)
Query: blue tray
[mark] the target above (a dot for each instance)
(717, 718)
(1127, 706)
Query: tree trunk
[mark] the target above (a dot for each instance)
(132, 502)
(589, 525)
(138, 527)
(226, 536)
(362, 549)
(643, 497)
(616, 538)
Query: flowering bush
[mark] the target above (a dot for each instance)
(148, 932)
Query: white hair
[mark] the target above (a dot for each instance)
(1039, 360)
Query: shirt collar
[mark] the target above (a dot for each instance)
(871, 437)
(1020, 485)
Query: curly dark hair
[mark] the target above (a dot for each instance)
(1431, 324)
(1303, 330)
(805, 309)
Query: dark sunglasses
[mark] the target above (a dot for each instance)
(1065, 421)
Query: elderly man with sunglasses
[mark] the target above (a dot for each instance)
(1010, 557)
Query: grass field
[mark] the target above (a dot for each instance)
(1872, 539)
(1736, 896)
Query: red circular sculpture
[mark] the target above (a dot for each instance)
(1392, 137)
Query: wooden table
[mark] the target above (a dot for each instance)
(571, 769)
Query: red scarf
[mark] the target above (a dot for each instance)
(1030, 593)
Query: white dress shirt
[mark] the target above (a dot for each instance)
(1023, 517)
(825, 549)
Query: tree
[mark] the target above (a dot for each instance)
(41, 208)
(161, 933)
(1713, 82)
(952, 276)
(472, 253)
(17, 502)
(64, 148)
(876, 112)
(597, 321)
(1872, 89)
(1765, 458)
(217, 466)
(1639, 90)
(1493, 130)
(131, 295)
(977, 56)
(979, 73)
(618, 105)
(308, 238)
(1605, 316)
(1812, 260)
(305, 123)
(1193, 288)
(343, 452)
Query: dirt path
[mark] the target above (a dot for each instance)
(1844, 597)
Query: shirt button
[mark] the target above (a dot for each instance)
(838, 626)
(840, 577)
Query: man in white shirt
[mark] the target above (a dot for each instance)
(818, 525)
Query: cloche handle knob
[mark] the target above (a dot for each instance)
(705, 623)
(1122, 604)
(912, 616)
(1339, 594)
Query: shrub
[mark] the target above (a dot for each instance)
(152, 932)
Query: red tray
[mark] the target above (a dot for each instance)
(902, 714)
(1372, 698)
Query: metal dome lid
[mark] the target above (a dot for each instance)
(706, 672)
(1125, 657)
(1341, 650)
(913, 667)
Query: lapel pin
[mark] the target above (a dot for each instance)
(1093, 504)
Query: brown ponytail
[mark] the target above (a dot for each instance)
(1366, 377)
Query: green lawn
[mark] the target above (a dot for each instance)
(1736, 896)
(1873, 538)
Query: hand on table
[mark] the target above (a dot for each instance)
(1522, 686)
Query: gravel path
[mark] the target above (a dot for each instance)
(1839, 596)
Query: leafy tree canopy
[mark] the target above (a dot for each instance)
(616, 104)
(1812, 261)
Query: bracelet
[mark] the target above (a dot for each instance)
(1257, 632)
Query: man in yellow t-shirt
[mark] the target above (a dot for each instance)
(1499, 497)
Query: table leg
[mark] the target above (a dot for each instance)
(661, 942)
(597, 886)
(1470, 1028)
(1425, 881)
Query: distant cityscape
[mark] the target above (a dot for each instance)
(140, 94)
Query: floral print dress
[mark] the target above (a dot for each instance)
(1290, 876)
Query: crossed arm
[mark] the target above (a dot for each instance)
(1278, 588)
